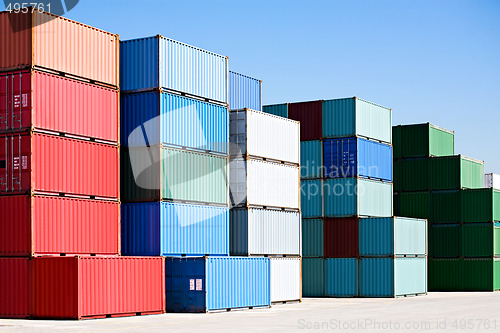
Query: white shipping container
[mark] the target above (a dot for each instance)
(286, 279)
(264, 184)
(261, 134)
(492, 180)
(256, 231)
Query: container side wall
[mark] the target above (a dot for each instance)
(376, 277)
(311, 159)
(373, 121)
(341, 277)
(309, 115)
(410, 276)
(15, 288)
(280, 110)
(312, 237)
(341, 238)
(311, 198)
(286, 279)
(139, 64)
(339, 118)
(140, 229)
(313, 277)
(244, 92)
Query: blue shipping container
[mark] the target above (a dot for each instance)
(280, 110)
(216, 283)
(393, 277)
(153, 118)
(390, 236)
(313, 284)
(311, 198)
(159, 62)
(244, 92)
(311, 159)
(341, 277)
(174, 229)
(312, 238)
(357, 157)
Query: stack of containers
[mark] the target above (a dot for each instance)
(346, 162)
(59, 183)
(446, 189)
(264, 183)
(175, 134)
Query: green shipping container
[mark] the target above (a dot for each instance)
(396, 201)
(481, 274)
(445, 274)
(455, 172)
(444, 241)
(415, 204)
(150, 174)
(481, 205)
(445, 206)
(422, 140)
(411, 175)
(312, 238)
(481, 240)
(313, 284)
(280, 110)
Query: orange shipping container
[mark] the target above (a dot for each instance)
(55, 43)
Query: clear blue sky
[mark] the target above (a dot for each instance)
(429, 60)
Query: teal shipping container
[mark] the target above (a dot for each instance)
(312, 238)
(356, 117)
(280, 110)
(392, 236)
(393, 277)
(311, 159)
(341, 277)
(346, 197)
(313, 277)
(311, 198)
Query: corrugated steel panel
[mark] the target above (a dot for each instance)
(262, 183)
(159, 62)
(244, 92)
(311, 198)
(311, 159)
(341, 277)
(15, 293)
(480, 240)
(492, 180)
(286, 279)
(309, 115)
(455, 172)
(444, 241)
(341, 238)
(93, 287)
(415, 204)
(445, 274)
(280, 110)
(346, 197)
(391, 236)
(170, 229)
(152, 118)
(54, 225)
(481, 205)
(264, 135)
(47, 163)
(422, 140)
(264, 232)
(312, 238)
(388, 277)
(57, 43)
(216, 283)
(445, 206)
(313, 277)
(36, 100)
(353, 157)
(481, 274)
(412, 174)
(353, 116)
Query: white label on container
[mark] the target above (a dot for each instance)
(25, 100)
(16, 163)
(24, 162)
(191, 284)
(17, 101)
(199, 284)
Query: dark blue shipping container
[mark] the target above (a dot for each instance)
(216, 283)
(357, 157)
(174, 229)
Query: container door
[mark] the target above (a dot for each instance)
(15, 101)
(4, 101)
(15, 165)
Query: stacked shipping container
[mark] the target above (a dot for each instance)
(346, 172)
(59, 186)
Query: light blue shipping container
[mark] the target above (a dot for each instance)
(311, 198)
(157, 117)
(356, 117)
(216, 283)
(159, 62)
(313, 277)
(311, 159)
(312, 238)
(344, 197)
(280, 110)
(357, 157)
(392, 236)
(244, 92)
(393, 277)
(341, 277)
(174, 229)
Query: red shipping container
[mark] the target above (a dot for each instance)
(15, 288)
(37, 225)
(44, 40)
(38, 100)
(310, 116)
(40, 163)
(341, 238)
